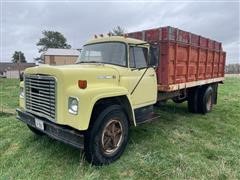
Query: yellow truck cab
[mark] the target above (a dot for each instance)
(92, 104)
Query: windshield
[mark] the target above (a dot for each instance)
(107, 52)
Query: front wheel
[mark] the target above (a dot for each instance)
(107, 138)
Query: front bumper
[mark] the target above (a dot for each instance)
(62, 133)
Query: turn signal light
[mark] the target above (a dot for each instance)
(82, 84)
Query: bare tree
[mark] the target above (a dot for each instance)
(118, 31)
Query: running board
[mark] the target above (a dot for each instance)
(145, 114)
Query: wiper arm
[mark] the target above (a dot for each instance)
(139, 80)
(139, 44)
(140, 68)
(88, 62)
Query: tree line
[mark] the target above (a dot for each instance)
(232, 69)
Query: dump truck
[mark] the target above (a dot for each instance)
(115, 84)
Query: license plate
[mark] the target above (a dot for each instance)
(39, 124)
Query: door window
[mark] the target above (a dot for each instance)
(137, 57)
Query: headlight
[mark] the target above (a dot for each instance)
(72, 105)
(21, 92)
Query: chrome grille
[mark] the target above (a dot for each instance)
(40, 95)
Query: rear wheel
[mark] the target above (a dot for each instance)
(35, 131)
(205, 100)
(106, 140)
(193, 100)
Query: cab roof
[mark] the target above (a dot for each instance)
(115, 38)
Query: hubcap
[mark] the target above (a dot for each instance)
(209, 102)
(112, 136)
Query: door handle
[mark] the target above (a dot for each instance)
(151, 75)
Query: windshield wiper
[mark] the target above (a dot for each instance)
(139, 44)
(140, 68)
(88, 62)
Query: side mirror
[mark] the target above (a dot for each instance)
(153, 59)
(21, 76)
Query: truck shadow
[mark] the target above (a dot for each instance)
(59, 150)
(6, 114)
(169, 114)
(170, 107)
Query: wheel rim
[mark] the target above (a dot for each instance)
(209, 102)
(112, 136)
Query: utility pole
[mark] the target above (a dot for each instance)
(19, 61)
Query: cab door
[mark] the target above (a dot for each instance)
(142, 79)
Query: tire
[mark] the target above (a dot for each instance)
(36, 131)
(205, 100)
(193, 100)
(96, 151)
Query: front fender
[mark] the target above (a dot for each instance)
(115, 92)
(87, 99)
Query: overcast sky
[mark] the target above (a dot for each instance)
(23, 22)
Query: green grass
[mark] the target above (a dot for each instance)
(9, 90)
(179, 145)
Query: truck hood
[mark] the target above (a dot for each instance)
(94, 74)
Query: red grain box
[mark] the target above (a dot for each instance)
(183, 56)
